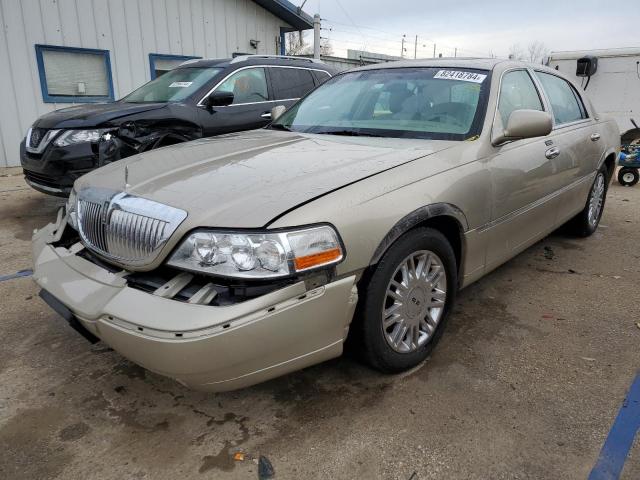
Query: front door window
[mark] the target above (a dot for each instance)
(247, 86)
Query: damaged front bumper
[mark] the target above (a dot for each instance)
(215, 348)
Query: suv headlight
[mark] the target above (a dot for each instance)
(258, 255)
(72, 209)
(71, 137)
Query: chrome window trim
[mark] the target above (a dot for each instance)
(256, 103)
(571, 124)
(200, 104)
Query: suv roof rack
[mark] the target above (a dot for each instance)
(244, 58)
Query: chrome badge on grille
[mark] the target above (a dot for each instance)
(38, 138)
(122, 227)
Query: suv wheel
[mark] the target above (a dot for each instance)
(407, 299)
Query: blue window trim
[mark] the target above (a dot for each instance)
(283, 44)
(163, 56)
(47, 98)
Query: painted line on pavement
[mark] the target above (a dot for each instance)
(620, 439)
(21, 273)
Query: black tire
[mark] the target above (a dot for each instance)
(628, 177)
(582, 225)
(370, 336)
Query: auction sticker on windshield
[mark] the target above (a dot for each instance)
(457, 75)
(180, 84)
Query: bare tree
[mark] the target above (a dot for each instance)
(325, 47)
(536, 52)
(295, 44)
(516, 52)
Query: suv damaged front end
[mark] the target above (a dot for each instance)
(215, 309)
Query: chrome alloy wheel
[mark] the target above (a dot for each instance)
(596, 200)
(414, 301)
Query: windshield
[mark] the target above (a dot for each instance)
(173, 86)
(433, 103)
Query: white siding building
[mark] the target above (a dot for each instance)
(54, 53)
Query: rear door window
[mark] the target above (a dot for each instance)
(566, 104)
(517, 92)
(291, 83)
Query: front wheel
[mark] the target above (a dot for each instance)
(407, 299)
(628, 177)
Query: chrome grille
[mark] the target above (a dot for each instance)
(128, 229)
(38, 138)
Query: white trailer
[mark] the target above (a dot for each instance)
(614, 88)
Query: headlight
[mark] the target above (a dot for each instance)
(258, 255)
(78, 136)
(72, 212)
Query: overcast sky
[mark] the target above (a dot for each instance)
(476, 27)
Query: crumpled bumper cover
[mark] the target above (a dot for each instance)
(204, 347)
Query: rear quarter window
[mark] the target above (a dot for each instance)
(321, 76)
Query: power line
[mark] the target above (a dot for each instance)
(396, 35)
(365, 38)
(351, 20)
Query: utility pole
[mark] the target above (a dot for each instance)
(434, 50)
(316, 36)
(402, 48)
(415, 49)
(455, 52)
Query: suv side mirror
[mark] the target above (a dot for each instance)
(277, 112)
(219, 99)
(524, 124)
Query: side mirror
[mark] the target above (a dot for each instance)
(219, 99)
(277, 112)
(524, 124)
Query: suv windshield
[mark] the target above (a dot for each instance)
(173, 86)
(423, 102)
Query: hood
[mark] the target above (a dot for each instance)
(245, 180)
(92, 114)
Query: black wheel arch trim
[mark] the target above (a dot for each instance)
(606, 154)
(417, 217)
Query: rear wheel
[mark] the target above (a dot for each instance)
(628, 177)
(406, 301)
(586, 222)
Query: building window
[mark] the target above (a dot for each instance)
(160, 63)
(74, 75)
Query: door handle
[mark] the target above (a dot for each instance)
(553, 152)
(595, 137)
(266, 115)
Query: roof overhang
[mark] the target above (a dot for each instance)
(288, 12)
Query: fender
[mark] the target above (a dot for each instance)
(607, 153)
(418, 216)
